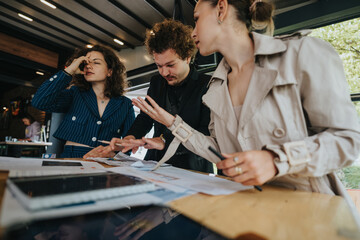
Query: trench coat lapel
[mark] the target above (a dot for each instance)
(218, 100)
(260, 85)
(262, 81)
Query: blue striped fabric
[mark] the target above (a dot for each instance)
(82, 122)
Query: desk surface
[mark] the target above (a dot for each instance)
(274, 213)
(20, 143)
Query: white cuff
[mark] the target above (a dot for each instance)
(181, 130)
(292, 156)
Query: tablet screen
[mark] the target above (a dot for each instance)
(61, 163)
(63, 184)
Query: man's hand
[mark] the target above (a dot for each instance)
(127, 143)
(154, 143)
(154, 111)
(100, 151)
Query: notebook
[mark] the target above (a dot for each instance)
(36, 193)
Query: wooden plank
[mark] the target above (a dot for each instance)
(28, 51)
(274, 213)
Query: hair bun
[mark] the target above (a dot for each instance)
(261, 11)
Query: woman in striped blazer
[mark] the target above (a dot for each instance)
(90, 91)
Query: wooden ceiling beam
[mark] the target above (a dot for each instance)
(28, 51)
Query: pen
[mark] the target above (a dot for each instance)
(222, 158)
(107, 142)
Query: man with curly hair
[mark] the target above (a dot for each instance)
(178, 89)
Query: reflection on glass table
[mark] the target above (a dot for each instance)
(136, 223)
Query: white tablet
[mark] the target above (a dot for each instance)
(43, 192)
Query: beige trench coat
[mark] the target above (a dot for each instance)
(297, 105)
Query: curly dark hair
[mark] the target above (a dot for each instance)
(170, 34)
(116, 84)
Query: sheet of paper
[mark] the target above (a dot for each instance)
(186, 179)
(38, 167)
(146, 163)
(129, 162)
(123, 157)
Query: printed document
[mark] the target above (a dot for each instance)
(186, 179)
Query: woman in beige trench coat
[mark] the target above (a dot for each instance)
(280, 108)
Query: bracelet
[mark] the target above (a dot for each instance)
(162, 138)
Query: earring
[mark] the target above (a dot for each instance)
(219, 21)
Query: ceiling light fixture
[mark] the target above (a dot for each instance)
(118, 41)
(89, 46)
(49, 4)
(39, 73)
(25, 17)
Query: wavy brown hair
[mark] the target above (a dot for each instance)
(116, 84)
(170, 34)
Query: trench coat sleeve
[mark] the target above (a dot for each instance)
(333, 124)
(198, 142)
(52, 95)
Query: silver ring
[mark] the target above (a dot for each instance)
(238, 170)
(236, 159)
(146, 110)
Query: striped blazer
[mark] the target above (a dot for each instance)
(82, 122)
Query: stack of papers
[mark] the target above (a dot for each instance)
(172, 183)
(123, 160)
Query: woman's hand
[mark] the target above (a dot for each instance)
(100, 151)
(249, 168)
(154, 111)
(74, 66)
